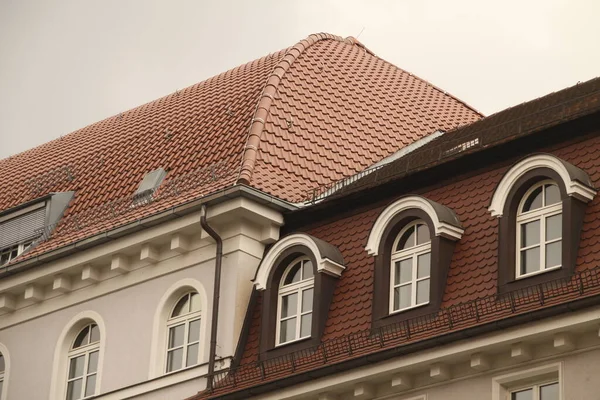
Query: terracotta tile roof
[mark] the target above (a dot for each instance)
(318, 111)
(472, 278)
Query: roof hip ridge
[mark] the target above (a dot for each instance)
(267, 97)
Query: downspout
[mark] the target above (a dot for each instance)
(216, 296)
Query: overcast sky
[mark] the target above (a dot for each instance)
(65, 64)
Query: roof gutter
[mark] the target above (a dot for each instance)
(216, 296)
(238, 190)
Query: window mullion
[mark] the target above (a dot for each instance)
(543, 242)
(299, 313)
(185, 340)
(413, 299)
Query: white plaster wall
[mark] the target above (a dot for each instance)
(128, 315)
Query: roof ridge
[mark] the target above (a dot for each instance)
(267, 97)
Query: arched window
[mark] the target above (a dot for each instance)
(83, 363)
(410, 267)
(183, 329)
(2, 368)
(539, 230)
(295, 301)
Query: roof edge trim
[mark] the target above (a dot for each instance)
(267, 97)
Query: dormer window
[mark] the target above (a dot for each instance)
(412, 241)
(295, 301)
(296, 280)
(540, 204)
(411, 267)
(22, 226)
(539, 230)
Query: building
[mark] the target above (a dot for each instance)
(465, 269)
(113, 238)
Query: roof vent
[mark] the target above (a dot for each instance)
(151, 182)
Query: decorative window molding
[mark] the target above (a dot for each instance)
(4, 372)
(505, 385)
(327, 257)
(575, 192)
(63, 352)
(443, 221)
(327, 264)
(576, 182)
(385, 234)
(163, 321)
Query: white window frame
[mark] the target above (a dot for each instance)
(535, 387)
(503, 386)
(5, 375)
(186, 320)
(20, 249)
(299, 288)
(2, 377)
(412, 253)
(540, 214)
(84, 350)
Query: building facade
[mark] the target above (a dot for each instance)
(465, 269)
(128, 248)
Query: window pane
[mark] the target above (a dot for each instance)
(554, 227)
(405, 294)
(194, 331)
(93, 363)
(407, 240)
(307, 270)
(552, 194)
(305, 325)
(1, 383)
(90, 385)
(174, 360)
(553, 254)
(287, 330)
(522, 395)
(74, 389)
(181, 307)
(192, 355)
(403, 271)
(176, 335)
(289, 305)
(423, 265)
(195, 304)
(530, 260)
(76, 366)
(83, 338)
(530, 233)
(423, 291)
(534, 200)
(423, 234)
(293, 274)
(549, 392)
(2, 366)
(95, 336)
(307, 300)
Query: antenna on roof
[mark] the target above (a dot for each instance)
(361, 31)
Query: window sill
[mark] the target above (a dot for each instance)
(291, 342)
(542, 271)
(407, 309)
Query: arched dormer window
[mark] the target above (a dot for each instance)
(410, 267)
(295, 301)
(412, 241)
(539, 230)
(296, 279)
(540, 203)
(83, 363)
(183, 329)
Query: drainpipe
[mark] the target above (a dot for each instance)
(216, 295)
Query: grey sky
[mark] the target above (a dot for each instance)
(65, 64)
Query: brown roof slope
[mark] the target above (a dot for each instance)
(328, 105)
